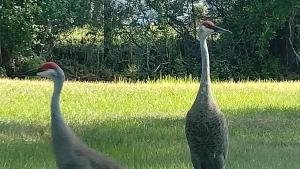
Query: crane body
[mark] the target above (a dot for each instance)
(206, 126)
(70, 152)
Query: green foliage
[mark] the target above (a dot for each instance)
(80, 36)
(26, 63)
(106, 40)
(142, 124)
(16, 23)
(255, 24)
(2, 72)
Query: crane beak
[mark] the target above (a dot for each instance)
(32, 72)
(220, 30)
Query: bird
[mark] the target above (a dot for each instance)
(206, 127)
(70, 152)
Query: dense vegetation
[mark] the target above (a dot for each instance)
(142, 124)
(140, 39)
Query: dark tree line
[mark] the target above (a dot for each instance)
(141, 39)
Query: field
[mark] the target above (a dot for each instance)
(142, 124)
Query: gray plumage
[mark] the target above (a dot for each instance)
(70, 152)
(206, 126)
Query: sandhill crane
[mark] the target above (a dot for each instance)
(206, 126)
(70, 152)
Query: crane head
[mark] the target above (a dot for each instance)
(207, 28)
(49, 70)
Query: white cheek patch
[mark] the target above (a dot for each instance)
(47, 73)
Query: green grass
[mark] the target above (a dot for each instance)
(142, 125)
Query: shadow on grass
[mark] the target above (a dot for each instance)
(17, 131)
(149, 142)
(136, 143)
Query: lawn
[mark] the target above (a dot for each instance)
(141, 125)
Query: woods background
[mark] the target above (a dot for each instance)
(150, 39)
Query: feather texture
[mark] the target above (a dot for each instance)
(70, 152)
(206, 126)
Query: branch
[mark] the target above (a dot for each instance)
(160, 66)
(291, 36)
(173, 22)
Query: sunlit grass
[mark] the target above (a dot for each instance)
(142, 124)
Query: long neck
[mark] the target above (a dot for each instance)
(205, 73)
(62, 135)
(56, 116)
(60, 131)
(204, 93)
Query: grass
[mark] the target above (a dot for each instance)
(142, 125)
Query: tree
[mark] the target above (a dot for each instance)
(16, 25)
(255, 24)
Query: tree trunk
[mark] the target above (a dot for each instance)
(107, 31)
(5, 61)
(0, 55)
(193, 19)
